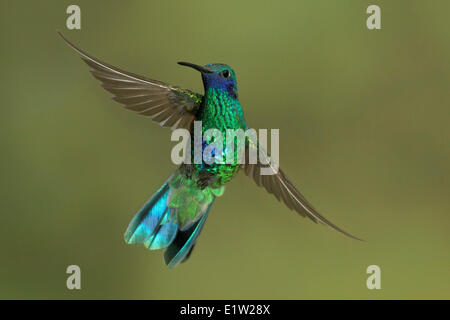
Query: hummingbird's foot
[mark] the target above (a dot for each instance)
(204, 180)
(188, 170)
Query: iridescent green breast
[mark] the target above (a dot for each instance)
(221, 111)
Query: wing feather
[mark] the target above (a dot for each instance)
(283, 189)
(168, 105)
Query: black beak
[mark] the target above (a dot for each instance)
(196, 67)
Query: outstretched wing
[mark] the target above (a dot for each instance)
(168, 105)
(280, 186)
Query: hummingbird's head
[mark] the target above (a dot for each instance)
(217, 76)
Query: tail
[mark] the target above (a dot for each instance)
(181, 247)
(173, 218)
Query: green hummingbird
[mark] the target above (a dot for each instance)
(173, 217)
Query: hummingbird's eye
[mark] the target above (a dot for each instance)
(225, 73)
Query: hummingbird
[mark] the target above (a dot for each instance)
(174, 216)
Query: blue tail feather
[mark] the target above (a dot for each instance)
(157, 226)
(153, 225)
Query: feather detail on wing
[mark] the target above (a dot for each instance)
(280, 186)
(168, 105)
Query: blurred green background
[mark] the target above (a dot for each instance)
(364, 130)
